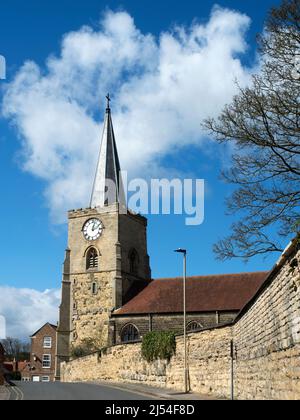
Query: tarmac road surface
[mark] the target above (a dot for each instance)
(30, 391)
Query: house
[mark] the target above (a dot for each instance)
(42, 357)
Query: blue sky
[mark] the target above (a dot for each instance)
(33, 237)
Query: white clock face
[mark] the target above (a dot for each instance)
(92, 230)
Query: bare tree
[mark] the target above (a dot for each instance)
(16, 349)
(263, 124)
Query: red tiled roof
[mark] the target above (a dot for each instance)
(229, 292)
(22, 366)
(11, 366)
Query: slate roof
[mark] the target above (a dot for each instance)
(228, 292)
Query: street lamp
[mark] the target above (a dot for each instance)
(184, 253)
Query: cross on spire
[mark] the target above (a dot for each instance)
(108, 102)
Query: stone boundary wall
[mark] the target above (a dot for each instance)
(266, 338)
(123, 363)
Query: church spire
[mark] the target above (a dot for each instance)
(107, 183)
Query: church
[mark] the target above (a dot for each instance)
(108, 294)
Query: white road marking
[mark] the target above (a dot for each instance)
(18, 393)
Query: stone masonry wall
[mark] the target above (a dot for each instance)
(124, 363)
(266, 338)
(90, 311)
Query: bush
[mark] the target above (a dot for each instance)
(158, 346)
(86, 347)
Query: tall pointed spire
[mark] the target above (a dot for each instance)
(107, 184)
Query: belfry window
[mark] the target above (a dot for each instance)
(130, 333)
(133, 262)
(194, 326)
(92, 259)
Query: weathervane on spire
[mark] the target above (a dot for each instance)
(108, 102)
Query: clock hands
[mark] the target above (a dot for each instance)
(95, 227)
(92, 229)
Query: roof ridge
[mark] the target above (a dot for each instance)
(43, 326)
(213, 275)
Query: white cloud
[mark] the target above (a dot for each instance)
(26, 310)
(162, 89)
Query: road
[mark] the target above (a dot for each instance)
(30, 391)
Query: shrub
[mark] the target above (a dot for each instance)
(158, 345)
(86, 347)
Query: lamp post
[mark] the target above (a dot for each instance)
(184, 253)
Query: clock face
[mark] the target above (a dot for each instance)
(92, 230)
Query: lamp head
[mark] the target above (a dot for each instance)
(181, 251)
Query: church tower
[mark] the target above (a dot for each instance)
(106, 261)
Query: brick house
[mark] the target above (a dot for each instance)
(1, 364)
(42, 358)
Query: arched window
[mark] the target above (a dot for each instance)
(194, 326)
(130, 333)
(92, 259)
(133, 261)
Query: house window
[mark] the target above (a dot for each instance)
(133, 262)
(194, 326)
(92, 259)
(47, 342)
(130, 333)
(46, 361)
(45, 378)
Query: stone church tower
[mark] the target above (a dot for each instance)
(106, 263)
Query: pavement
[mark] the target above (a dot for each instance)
(4, 393)
(104, 391)
(158, 393)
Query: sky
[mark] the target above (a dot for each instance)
(167, 65)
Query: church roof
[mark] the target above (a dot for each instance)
(108, 167)
(228, 292)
